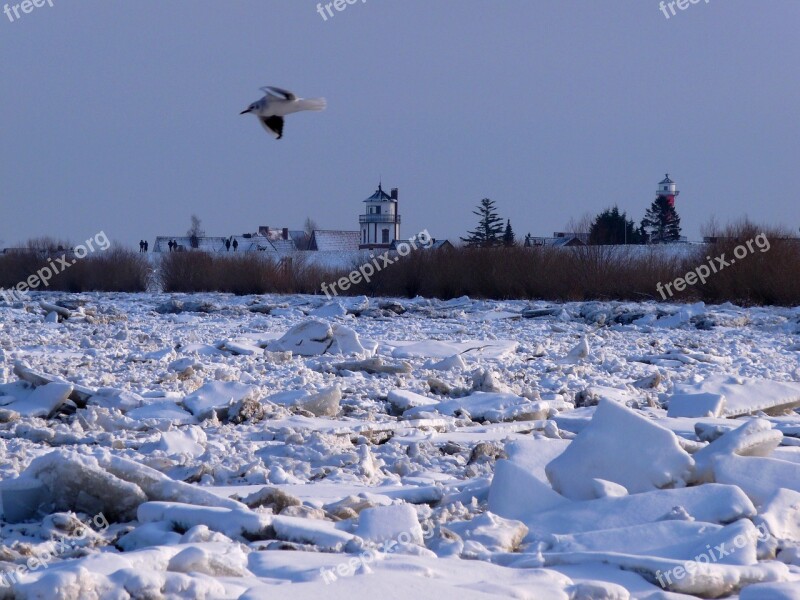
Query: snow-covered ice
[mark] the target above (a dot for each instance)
(214, 446)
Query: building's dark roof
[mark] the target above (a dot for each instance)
(284, 245)
(566, 241)
(667, 180)
(561, 241)
(335, 241)
(379, 196)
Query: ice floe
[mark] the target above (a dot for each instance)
(285, 446)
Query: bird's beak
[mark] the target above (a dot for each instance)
(245, 111)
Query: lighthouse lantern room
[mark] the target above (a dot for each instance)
(668, 189)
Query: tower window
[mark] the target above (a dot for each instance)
(384, 236)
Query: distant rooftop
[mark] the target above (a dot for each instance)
(335, 241)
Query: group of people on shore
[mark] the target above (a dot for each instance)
(231, 242)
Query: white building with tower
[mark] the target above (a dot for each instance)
(380, 223)
(379, 228)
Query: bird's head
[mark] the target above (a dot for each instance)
(252, 108)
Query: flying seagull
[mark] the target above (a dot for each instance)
(278, 103)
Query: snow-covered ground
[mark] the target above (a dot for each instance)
(210, 446)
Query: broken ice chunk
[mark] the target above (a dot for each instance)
(492, 407)
(404, 399)
(237, 524)
(332, 309)
(44, 400)
(754, 438)
(346, 341)
(188, 441)
(608, 489)
(309, 338)
(450, 363)
(230, 561)
(745, 396)
(315, 337)
(383, 523)
(493, 532)
(696, 405)
(605, 450)
(21, 498)
(79, 483)
(515, 493)
(324, 403)
(781, 515)
(217, 397)
(759, 478)
(578, 353)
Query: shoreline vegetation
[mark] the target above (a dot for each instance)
(629, 273)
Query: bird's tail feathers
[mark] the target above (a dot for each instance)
(312, 104)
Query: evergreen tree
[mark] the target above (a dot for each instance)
(611, 227)
(643, 235)
(508, 237)
(490, 227)
(661, 221)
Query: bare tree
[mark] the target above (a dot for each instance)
(308, 229)
(583, 224)
(47, 244)
(711, 228)
(195, 232)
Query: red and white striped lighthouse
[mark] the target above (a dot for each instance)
(667, 189)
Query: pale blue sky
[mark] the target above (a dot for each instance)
(124, 116)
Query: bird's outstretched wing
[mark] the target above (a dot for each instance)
(285, 93)
(273, 125)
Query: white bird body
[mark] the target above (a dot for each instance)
(273, 107)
